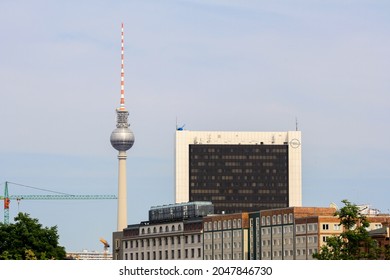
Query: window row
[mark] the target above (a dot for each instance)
(172, 240)
(288, 253)
(277, 219)
(219, 246)
(218, 225)
(234, 256)
(327, 227)
(220, 235)
(165, 255)
(151, 230)
(276, 230)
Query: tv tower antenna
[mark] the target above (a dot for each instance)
(122, 139)
(122, 105)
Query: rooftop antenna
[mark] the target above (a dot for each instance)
(179, 128)
(296, 123)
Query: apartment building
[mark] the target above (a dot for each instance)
(173, 232)
(288, 233)
(225, 237)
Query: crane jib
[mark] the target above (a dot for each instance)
(38, 197)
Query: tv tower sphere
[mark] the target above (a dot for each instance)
(122, 138)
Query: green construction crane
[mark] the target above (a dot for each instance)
(7, 198)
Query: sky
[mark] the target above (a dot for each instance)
(233, 65)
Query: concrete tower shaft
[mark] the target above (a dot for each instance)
(122, 139)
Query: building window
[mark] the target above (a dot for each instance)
(325, 226)
(205, 227)
(336, 227)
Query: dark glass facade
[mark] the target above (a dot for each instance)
(237, 178)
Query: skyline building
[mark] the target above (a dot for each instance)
(122, 139)
(239, 171)
(173, 232)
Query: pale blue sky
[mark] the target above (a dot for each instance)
(213, 65)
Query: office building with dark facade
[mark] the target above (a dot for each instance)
(239, 171)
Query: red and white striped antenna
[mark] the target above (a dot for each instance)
(122, 106)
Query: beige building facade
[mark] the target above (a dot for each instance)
(225, 237)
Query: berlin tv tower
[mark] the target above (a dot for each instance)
(122, 139)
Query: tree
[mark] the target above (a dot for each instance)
(27, 239)
(353, 243)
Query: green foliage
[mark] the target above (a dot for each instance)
(26, 239)
(353, 243)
